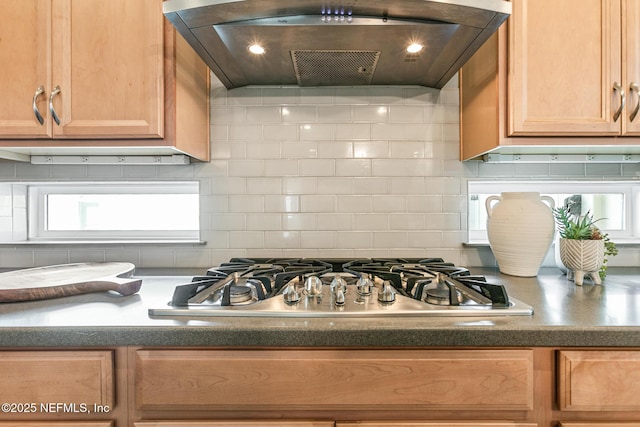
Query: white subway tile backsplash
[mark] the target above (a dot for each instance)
(388, 203)
(407, 114)
(246, 239)
(353, 167)
(299, 114)
(317, 167)
(281, 168)
(280, 203)
(300, 185)
(334, 185)
(371, 149)
(408, 149)
(299, 221)
(280, 132)
(263, 150)
(301, 150)
(334, 149)
(263, 185)
(282, 240)
(316, 171)
(317, 131)
(245, 132)
(258, 115)
(354, 240)
(318, 203)
(246, 168)
(246, 203)
(264, 221)
(372, 221)
(335, 221)
(317, 239)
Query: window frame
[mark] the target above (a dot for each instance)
(630, 190)
(35, 214)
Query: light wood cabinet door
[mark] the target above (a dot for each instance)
(108, 63)
(57, 424)
(179, 423)
(436, 424)
(598, 424)
(631, 65)
(564, 59)
(599, 380)
(25, 55)
(43, 377)
(99, 64)
(333, 380)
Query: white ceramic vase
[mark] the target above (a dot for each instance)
(520, 227)
(583, 257)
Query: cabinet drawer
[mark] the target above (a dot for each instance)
(334, 379)
(57, 424)
(599, 380)
(66, 377)
(234, 424)
(598, 424)
(436, 424)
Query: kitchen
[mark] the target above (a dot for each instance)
(346, 172)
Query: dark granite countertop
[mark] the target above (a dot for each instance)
(564, 315)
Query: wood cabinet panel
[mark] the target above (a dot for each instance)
(128, 84)
(179, 423)
(72, 377)
(334, 379)
(436, 424)
(25, 55)
(109, 70)
(631, 65)
(564, 59)
(545, 81)
(57, 424)
(599, 380)
(598, 424)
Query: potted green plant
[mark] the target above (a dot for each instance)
(583, 246)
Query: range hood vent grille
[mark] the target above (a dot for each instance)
(334, 67)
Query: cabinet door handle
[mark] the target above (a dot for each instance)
(39, 117)
(56, 91)
(633, 87)
(618, 88)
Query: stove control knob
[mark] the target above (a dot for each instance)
(339, 297)
(364, 285)
(387, 294)
(291, 294)
(338, 284)
(313, 286)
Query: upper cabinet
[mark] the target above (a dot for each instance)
(557, 70)
(90, 75)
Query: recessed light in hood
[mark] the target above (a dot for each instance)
(356, 42)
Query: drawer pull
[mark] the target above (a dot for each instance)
(633, 87)
(56, 91)
(39, 117)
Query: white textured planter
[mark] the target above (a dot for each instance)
(520, 227)
(583, 257)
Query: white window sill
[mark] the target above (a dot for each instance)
(104, 242)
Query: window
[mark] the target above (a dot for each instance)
(103, 212)
(617, 202)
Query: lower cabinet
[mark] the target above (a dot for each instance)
(235, 424)
(432, 424)
(59, 388)
(206, 387)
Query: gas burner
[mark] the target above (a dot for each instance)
(361, 287)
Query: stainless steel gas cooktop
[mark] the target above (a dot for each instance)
(368, 287)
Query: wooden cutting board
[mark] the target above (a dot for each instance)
(68, 279)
